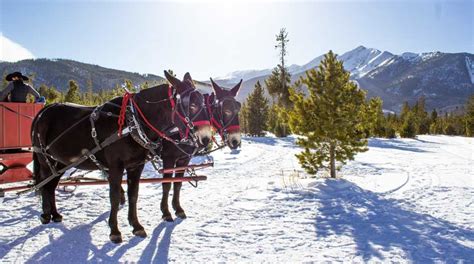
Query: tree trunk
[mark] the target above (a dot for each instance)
(332, 158)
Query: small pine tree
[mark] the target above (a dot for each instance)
(422, 120)
(73, 93)
(375, 119)
(257, 111)
(43, 90)
(405, 110)
(433, 116)
(408, 129)
(243, 118)
(330, 119)
(469, 118)
(4, 82)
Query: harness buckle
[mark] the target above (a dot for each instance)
(189, 123)
(92, 157)
(94, 133)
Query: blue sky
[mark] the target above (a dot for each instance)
(210, 39)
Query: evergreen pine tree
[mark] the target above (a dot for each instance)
(90, 93)
(469, 119)
(375, 119)
(422, 120)
(73, 94)
(277, 85)
(390, 126)
(408, 129)
(405, 110)
(434, 116)
(257, 111)
(330, 118)
(43, 90)
(244, 128)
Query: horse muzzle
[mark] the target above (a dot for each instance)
(204, 134)
(233, 140)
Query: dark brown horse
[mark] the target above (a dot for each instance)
(224, 114)
(62, 134)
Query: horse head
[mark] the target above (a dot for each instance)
(190, 109)
(225, 113)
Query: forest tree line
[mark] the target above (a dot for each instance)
(85, 96)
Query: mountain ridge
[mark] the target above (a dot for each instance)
(396, 78)
(444, 79)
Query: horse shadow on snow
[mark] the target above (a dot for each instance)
(379, 224)
(75, 245)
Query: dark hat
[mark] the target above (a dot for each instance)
(16, 74)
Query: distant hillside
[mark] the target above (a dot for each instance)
(58, 73)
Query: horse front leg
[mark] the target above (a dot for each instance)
(167, 164)
(177, 190)
(133, 181)
(48, 192)
(115, 180)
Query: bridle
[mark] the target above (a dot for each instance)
(181, 111)
(223, 127)
(180, 103)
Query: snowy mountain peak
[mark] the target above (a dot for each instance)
(362, 60)
(245, 74)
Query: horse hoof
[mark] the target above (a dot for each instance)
(181, 215)
(139, 233)
(45, 219)
(168, 218)
(116, 239)
(57, 218)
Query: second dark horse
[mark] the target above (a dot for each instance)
(223, 112)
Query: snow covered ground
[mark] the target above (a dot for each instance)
(404, 200)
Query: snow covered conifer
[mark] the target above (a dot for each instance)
(330, 119)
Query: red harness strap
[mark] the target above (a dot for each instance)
(123, 109)
(128, 97)
(156, 130)
(233, 128)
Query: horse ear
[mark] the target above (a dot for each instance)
(173, 80)
(187, 78)
(217, 89)
(234, 91)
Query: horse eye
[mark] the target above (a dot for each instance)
(228, 112)
(193, 107)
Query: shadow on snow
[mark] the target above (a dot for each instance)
(393, 144)
(75, 245)
(378, 224)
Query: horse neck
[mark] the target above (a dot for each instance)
(156, 108)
